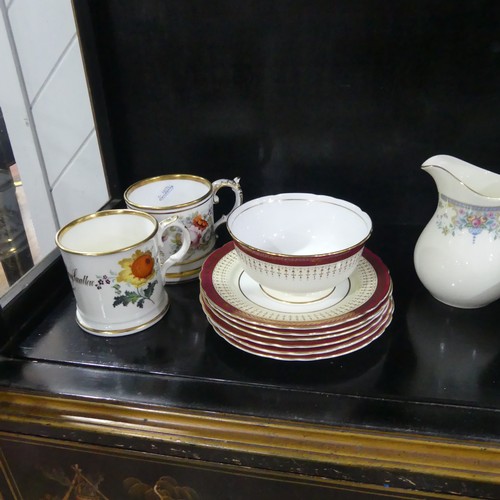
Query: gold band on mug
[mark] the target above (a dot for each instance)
(184, 274)
(150, 180)
(105, 213)
(117, 333)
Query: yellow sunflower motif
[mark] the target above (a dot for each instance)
(137, 269)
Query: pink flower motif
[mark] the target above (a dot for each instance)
(196, 235)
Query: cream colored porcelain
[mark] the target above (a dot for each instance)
(457, 256)
(222, 284)
(299, 246)
(254, 322)
(311, 352)
(191, 198)
(112, 259)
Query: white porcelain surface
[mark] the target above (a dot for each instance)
(191, 199)
(336, 332)
(257, 294)
(306, 353)
(294, 283)
(112, 259)
(290, 331)
(299, 349)
(457, 256)
(299, 224)
(299, 243)
(166, 192)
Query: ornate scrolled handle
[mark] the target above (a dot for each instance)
(238, 194)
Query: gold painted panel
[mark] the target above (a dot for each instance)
(46, 469)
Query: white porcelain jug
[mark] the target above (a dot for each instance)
(457, 256)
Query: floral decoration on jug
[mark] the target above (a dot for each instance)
(467, 217)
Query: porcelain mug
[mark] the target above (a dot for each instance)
(191, 199)
(112, 260)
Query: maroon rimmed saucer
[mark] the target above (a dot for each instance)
(226, 288)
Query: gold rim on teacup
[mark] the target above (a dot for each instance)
(244, 245)
(159, 178)
(105, 213)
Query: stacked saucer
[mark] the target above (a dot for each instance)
(351, 316)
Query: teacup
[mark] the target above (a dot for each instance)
(191, 199)
(299, 246)
(113, 262)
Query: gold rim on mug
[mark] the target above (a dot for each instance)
(105, 213)
(125, 331)
(276, 254)
(184, 274)
(156, 208)
(189, 272)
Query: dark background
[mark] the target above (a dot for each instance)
(338, 97)
(342, 97)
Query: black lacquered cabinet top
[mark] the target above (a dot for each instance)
(435, 369)
(339, 98)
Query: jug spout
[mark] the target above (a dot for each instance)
(457, 256)
(463, 181)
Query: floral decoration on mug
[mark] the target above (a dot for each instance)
(200, 229)
(133, 284)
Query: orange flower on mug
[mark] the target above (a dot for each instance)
(137, 269)
(200, 222)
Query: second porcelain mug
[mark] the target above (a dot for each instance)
(191, 198)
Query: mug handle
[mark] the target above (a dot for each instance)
(186, 242)
(238, 194)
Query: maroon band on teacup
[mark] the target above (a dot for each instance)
(298, 260)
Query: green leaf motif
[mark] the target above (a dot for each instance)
(126, 299)
(150, 289)
(134, 297)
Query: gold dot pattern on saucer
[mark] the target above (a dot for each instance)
(226, 281)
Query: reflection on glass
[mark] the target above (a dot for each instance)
(18, 247)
